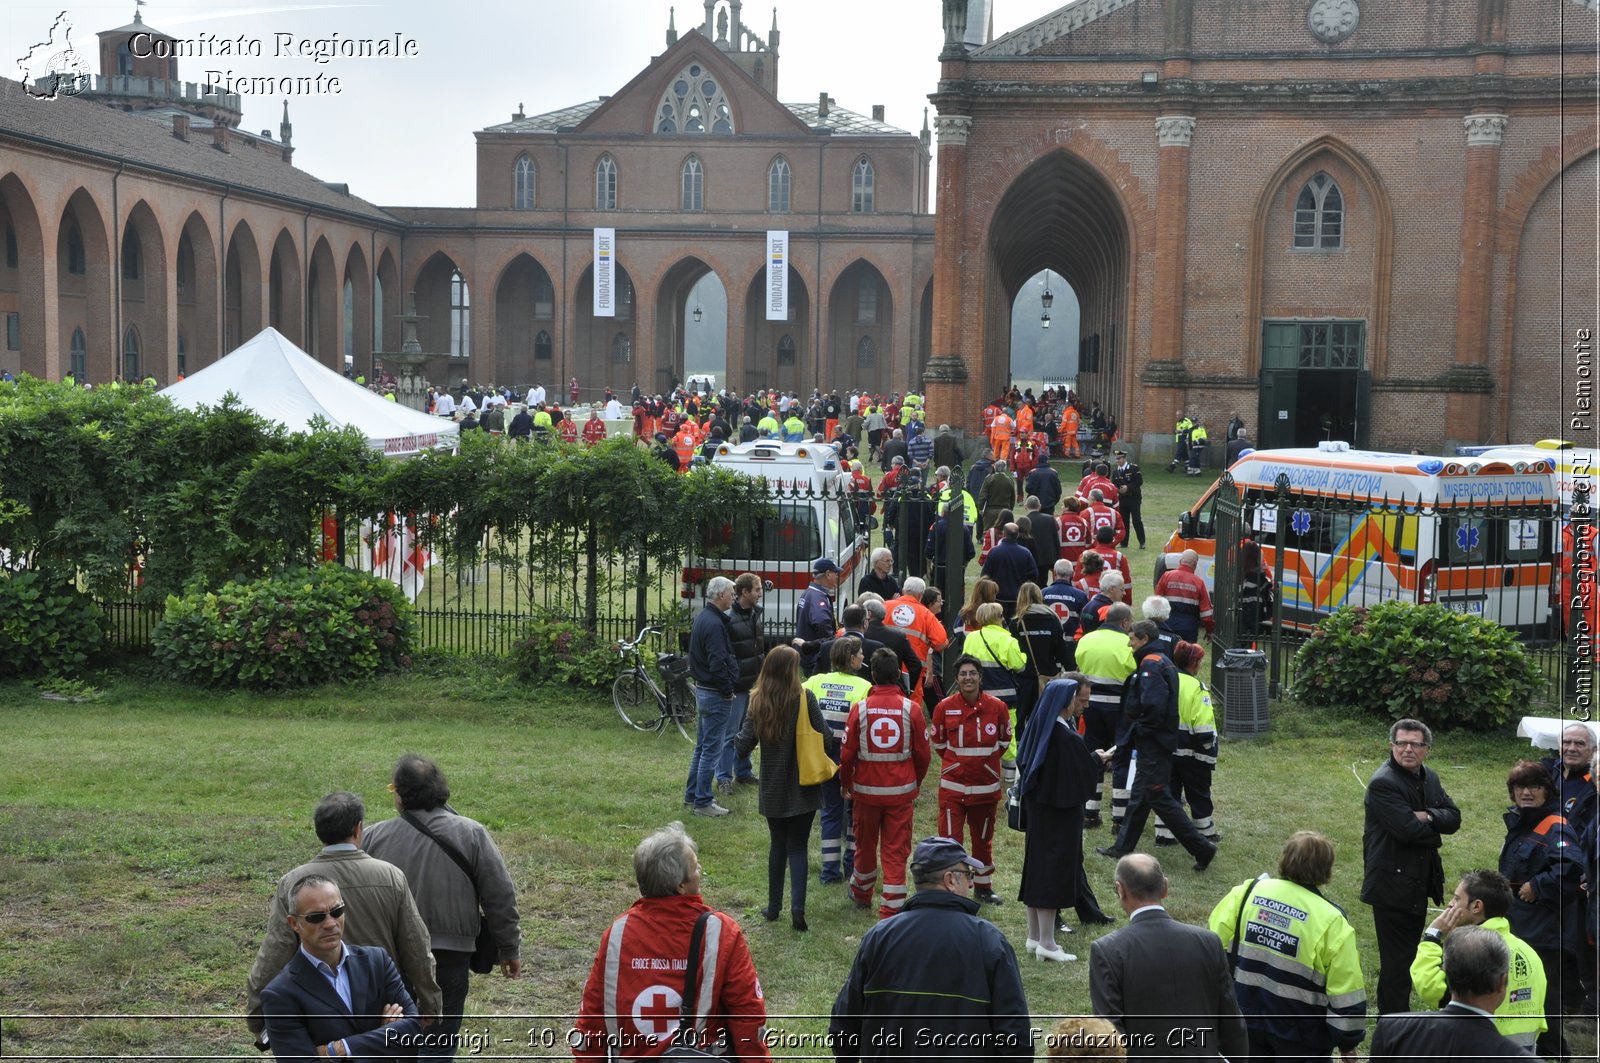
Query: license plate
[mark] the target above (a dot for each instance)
(1474, 606)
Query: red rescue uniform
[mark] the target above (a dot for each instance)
(970, 740)
(1074, 535)
(1103, 516)
(881, 764)
(594, 430)
(635, 987)
(568, 430)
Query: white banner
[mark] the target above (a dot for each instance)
(777, 274)
(605, 273)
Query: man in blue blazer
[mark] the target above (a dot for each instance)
(333, 1000)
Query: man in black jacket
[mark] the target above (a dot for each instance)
(1045, 484)
(906, 996)
(1150, 704)
(716, 672)
(1045, 535)
(946, 448)
(744, 626)
(1407, 815)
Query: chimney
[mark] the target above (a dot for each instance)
(822, 105)
(219, 136)
(877, 112)
(180, 126)
(518, 116)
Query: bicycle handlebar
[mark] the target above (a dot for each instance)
(625, 646)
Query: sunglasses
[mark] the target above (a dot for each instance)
(314, 918)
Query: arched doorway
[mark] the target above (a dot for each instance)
(1060, 214)
(83, 287)
(525, 311)
(388, 303)
(144, 290)
(1044, 333)
(325, 305)
(691, 325)
(21, 290)
(860, 332)
(444, 301)
(195, 277)
(242, 291)
(601, 347)
(358, 312)
(285, 311)
(778, 354)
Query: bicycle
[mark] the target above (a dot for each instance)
(635, 689)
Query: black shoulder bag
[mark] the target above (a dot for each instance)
(684, 1041)
(1238, 927)
(484, 952)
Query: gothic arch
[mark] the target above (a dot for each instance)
(22, 290)
(593, 340)
(433, 285)
(1521, 196)
(85, 298)
(144, 291)
(853, 316)
(324, 307)
(1382, 258)
(242, 289)
(196, 277)
(285, 290)
(388, 304)
(525, 303)
(763, 367)
(358, 275)
(673, 319)
(1063, 212)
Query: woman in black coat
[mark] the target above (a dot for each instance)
(1056, 774)
(1543, 860)
(789, 808)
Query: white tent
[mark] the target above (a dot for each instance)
(282, 383)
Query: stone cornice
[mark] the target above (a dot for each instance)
(948, 369)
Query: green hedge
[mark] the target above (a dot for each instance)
(47, 625)
(1400, 659)
(296, 629)
(554, 651)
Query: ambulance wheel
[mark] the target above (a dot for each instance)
(636, 703)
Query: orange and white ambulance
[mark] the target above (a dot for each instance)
(812, 517)
(1479, 536)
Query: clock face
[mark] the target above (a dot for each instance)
(1333, 20)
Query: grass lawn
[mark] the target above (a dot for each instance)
(140, 836)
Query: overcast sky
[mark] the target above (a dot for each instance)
(400, 131)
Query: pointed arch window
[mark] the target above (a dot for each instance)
(695, 104)
(694, 184)
(866, 353)
(130, 354)
(1319, 215)
(80, 356)
(605, 184)
(460, 316)
(861, 181)
(786, 352)
(543, 348)
(867, 302)
(544, 297)
(621, 349)
(76, 261)
(523, 177)
(131, 253)
(778, 185)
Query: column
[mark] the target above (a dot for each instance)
(1163, 373)
(1471, 383)
(948, 396)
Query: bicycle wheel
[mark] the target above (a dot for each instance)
(635, 702)
(682, 709)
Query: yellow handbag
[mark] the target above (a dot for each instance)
(816, 767)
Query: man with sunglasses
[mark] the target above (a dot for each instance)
(1408, 814)
(334, 1000)
(936, 981)
(382, 910)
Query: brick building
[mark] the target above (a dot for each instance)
(1370, 221)
(145, 233)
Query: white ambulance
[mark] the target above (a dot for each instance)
(1362, 527)
(812, 517)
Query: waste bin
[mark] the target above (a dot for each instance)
(1244, 693)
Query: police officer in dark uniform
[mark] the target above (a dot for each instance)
(1129, 482)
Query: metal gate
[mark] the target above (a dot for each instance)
(1230, 530)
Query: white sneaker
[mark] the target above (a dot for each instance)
(1058, 955)
(713, 809)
